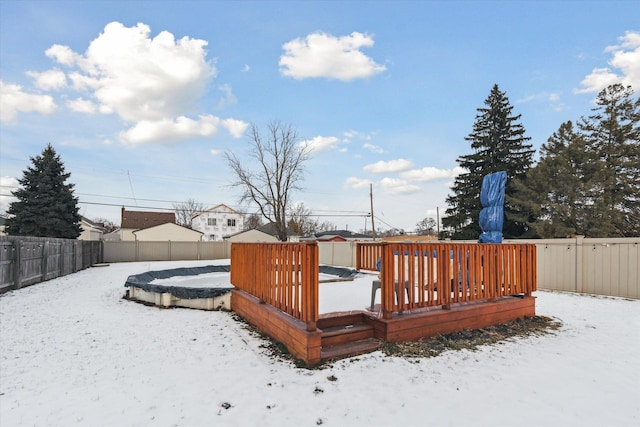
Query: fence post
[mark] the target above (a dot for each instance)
(45, 256)
(579, 267)
(17, 246)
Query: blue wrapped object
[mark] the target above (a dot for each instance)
(492, 213)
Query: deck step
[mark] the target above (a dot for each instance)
(337, 335)
(349, 349)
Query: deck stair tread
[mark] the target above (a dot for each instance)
(349, 349)
(336, 335)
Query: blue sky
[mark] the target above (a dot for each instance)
(141, 99)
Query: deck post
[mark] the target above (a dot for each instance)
(387, 279)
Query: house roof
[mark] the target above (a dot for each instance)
(409, 238)
(91, 224)
(186, 229)
(346, 234)
(221, 205)
(269, 229)
(143, 219)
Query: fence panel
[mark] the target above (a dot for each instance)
(134, 250)
(7, 265)
(337, 253)
(122, 251)
(284, 275)
(28, 260)
(418, 275)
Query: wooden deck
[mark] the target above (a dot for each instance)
(276, 289)
(340, 335)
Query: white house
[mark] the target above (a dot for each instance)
(217, 222)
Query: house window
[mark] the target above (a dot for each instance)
(211, 221)
(231, 222)
(212, 237)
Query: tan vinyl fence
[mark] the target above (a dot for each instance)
(594, 266)
(128, 251)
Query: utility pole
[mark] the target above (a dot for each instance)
(373, 226)
(438, 220)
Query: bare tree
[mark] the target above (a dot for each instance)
(253, 221)
(187, 210)
(278, 171)
(426, 227)
(326, 226)
(300, 221)
(108, 225)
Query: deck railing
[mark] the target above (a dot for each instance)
(284, 275)
(439, 274)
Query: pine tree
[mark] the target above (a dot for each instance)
(46, 206)
(613, 132)
(556, 191)
(499, 144)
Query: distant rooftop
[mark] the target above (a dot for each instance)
(144, 219)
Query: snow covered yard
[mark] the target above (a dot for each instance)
(73, 352)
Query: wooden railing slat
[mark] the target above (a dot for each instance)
(443, 273)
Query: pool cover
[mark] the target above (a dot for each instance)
(143, 280)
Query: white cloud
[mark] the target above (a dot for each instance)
(353, 134)
(14, 100)
(543, 96)
(170, 131)
(80, 105)
(431, 174)
(235, 127)
(228, 98)
(323, 55)
(397, 165)
(63, 55)
(321, 143)
(398, 186)
(154, 83)
(215, 152)
(142, 78)
(246, 68)
(626, 59)
(7, 185)
(49, 80)
(357, 183)
(373, 148)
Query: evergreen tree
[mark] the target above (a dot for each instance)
(588, 179)
(46, 206)
(613, 132)
(556, 191)
(499, 144)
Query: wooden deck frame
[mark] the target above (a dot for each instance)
(408, 326)
(301, 330)
(282, 327)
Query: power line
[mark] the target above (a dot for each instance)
(242, 212)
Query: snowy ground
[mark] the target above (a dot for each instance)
(73, 352)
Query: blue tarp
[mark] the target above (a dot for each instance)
(492, 213)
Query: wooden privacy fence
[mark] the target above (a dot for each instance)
(284, 275)
(428, 275)
(28, 260)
